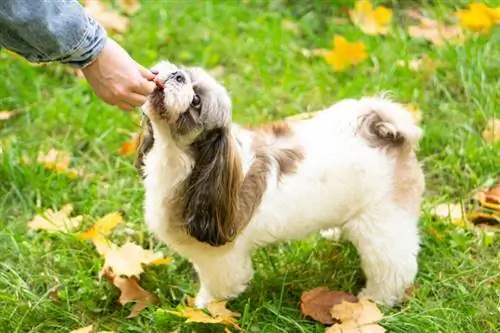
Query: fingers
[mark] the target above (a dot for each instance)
(125, 106)
(145, 87)
(146, 73)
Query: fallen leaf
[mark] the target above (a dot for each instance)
(372, 21)
(129, 147)
(103, 227)
(5, 115)
(130, 6)
(491, 133)
(128, 259)
(424, 64)
(361, 316)
(219, 314)
(59, 161)
(451, 212)
(110, 20)
(131, 291)
(436, 32)
(345, 54)
(87, 329)
(290, 26)
(478, 17)
(56, 221)
(317, 303)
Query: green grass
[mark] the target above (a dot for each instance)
(459, 278)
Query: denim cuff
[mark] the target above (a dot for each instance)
(88, 48)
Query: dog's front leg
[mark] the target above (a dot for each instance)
(222, 277)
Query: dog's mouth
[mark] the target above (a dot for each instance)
(157, 99)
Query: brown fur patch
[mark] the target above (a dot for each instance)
(277, 129)
(409, 182)
(288, 160)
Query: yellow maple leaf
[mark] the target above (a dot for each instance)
(345, 54)
(356, 317)
(371, 21)
(56, 221)
(59, 161)
(97, 234)
(127, 260)
(219, 314)
(478, 17)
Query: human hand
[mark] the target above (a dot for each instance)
(117, 79)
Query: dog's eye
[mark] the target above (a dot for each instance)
(180, 78)
(196, 102)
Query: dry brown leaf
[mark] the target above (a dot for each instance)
(56, 221)
(317, 303)
(5, 115)
(128, 259)
(59, 161)
(131, 291)
(130, 6)
(219, 314)
(110, 20)
(436, 32)
(361, 316)
(491, 133)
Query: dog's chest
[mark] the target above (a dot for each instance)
(165, 170)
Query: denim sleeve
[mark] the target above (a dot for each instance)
(50, 30)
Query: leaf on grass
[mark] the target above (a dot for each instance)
(372, 21)
(451, 212)
(109, 19)
(86, 329)
(129, 147)
(436, 32)
(345, 54)
(478, 17)
(361, 316)
(491, 133)
(56, 221)
(219, 314)
(59, 161)
(131, 291)
(130, 6)
(5, 115)
(103, 227)
(424, 64)
(127, 260)
(317, 303)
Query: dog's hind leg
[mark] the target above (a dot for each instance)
(222, 277)
(388, 243)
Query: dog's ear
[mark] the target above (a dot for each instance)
(211, 197)
(145, 143)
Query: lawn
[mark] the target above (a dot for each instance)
(268, 78)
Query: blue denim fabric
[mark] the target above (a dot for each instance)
(50, 30)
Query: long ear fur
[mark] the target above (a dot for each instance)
(146, 141)
(211, 198)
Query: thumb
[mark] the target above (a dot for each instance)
(146, 73)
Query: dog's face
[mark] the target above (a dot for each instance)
(187, 102)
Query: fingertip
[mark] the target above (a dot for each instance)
(146, 73)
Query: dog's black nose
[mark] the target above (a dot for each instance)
(179, 77)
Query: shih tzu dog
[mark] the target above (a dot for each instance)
(215, 191)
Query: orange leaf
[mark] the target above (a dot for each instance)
(479, 17)
(360, 316)
(369, 20)
(345, 54)
(131, 291)
(317, 303)
(129, 147)
(219, 314)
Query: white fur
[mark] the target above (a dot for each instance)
(342, 183)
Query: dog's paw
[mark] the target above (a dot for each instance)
(380, 298)
(203, 299)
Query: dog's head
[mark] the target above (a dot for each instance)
(190, 110)
(187, 103)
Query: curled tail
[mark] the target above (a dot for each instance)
(386, 124)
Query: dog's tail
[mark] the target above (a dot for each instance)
(386, 124)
